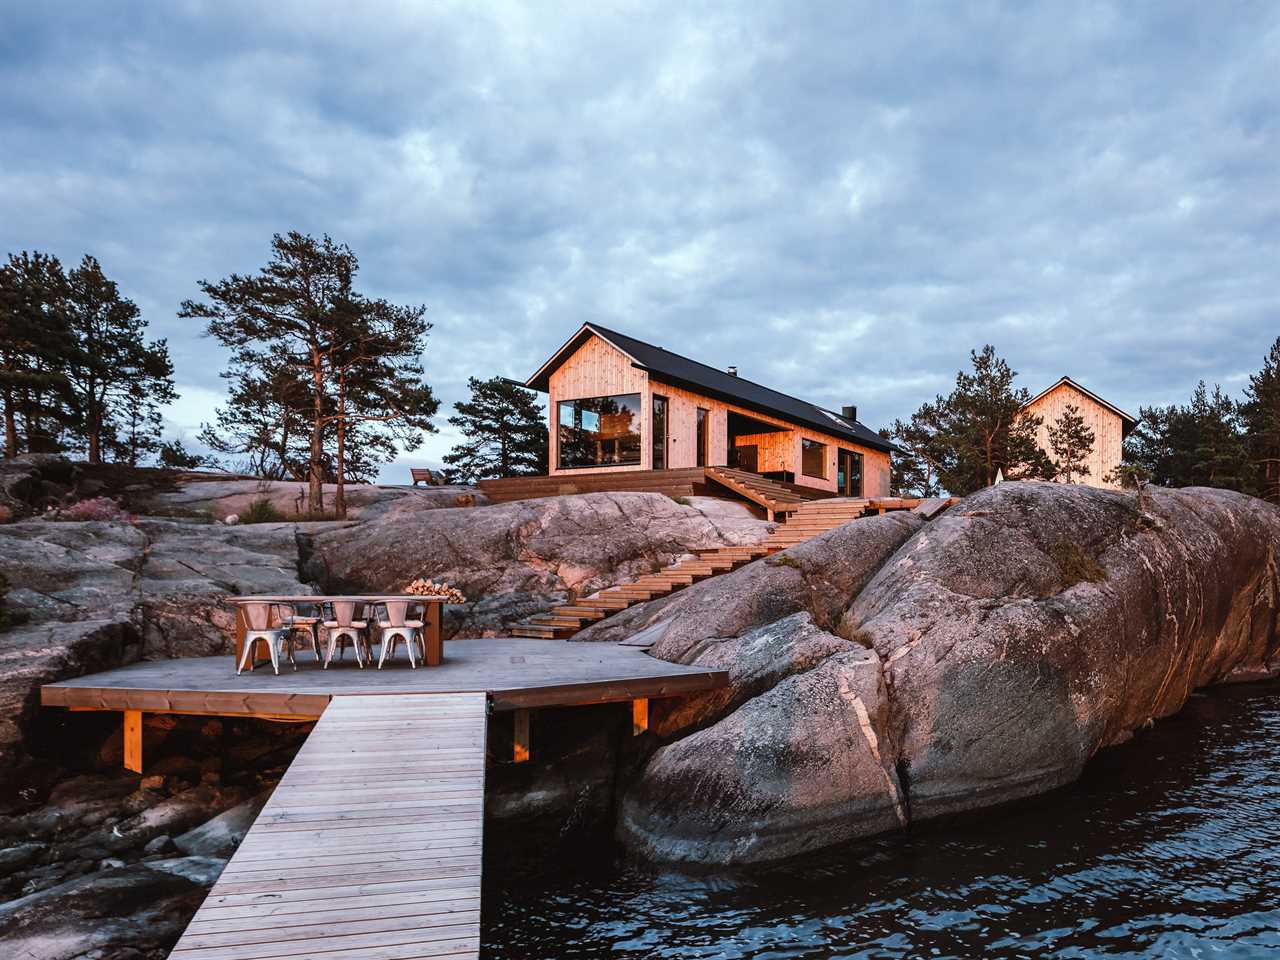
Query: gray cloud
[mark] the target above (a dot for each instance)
(841, 199)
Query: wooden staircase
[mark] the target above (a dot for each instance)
(776, 499)
(806, 519)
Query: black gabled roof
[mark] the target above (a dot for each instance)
(668, 367)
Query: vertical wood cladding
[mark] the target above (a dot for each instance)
(599, 369)
(1107, 427)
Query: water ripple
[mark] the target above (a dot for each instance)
(1168, 847)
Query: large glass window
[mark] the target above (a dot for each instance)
(599, 431)
(813, 458)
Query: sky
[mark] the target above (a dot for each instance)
(840, 199)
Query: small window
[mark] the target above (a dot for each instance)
(813, 459)
(703, 436)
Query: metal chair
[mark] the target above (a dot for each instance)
(393, 627)
(307, 617)
(342, 627)
(259, 629)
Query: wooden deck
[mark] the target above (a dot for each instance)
(516, 673)
(370, 845)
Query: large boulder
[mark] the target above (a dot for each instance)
(819, 575)
(1027, 628)
(517, 558)
(794, 769)
(1038, 623)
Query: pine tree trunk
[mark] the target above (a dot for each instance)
(10, 425)
(340, 496)
(315, 487)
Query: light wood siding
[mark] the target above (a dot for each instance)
(599, 369)
(1107, 427)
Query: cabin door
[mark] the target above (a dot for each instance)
(849, 473)
(748, 457)
(659, 432)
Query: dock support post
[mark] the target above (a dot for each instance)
(434, 645)
(521, 739)
(133, 740)
(639, 716)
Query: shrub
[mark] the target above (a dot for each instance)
(261, 510)
(96, 508)
(1076, 565)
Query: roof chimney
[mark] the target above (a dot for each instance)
(849, 413)
(733, 371)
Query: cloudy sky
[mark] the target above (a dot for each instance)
(841, 199)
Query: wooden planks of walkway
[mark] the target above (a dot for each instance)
(370, 847)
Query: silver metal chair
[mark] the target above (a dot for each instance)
(394, 627)
(342, 627)
(260, 628)
(306, 617)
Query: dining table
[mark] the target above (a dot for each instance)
(257, 612)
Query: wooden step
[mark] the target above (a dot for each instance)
(604, 603)
(540, 633)
(547, 620)
(580, 611)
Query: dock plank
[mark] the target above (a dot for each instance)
(311, 879)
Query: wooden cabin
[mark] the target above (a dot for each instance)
(618, 404)
(1110, 426)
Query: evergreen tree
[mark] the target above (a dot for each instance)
(1072, 442)
(263, 424)
(111, 370)
(378, 384)
(911, 473)
(1260, 414)
(1221, 455)
(979, 430)
(353, 360)
(1201, 444)
(35, 338)
(505, 432)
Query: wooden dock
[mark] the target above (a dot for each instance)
(370, 846)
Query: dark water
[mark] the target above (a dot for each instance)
(1168, 847)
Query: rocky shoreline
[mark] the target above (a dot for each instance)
(889, 671)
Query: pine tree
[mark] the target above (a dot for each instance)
(111, 369)
(263, 424)
(505, 432)
(1260, 414)
(1201, 444)
(1072, 442)
(353, 360)
(911, 473)
(35, 339)
(979, 430)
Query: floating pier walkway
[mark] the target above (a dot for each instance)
(369, 847)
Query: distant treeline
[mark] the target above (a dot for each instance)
(960, 442)
(77, 373)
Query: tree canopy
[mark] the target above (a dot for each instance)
(315, 365)
(504, 431)
(76, 372)
(978, 430)
(1071, 441)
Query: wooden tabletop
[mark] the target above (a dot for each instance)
(331, 597)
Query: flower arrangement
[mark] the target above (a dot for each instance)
(429, 588)
(95, 508)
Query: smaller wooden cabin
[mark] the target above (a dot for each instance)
(618, 404)
(1110, 426)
